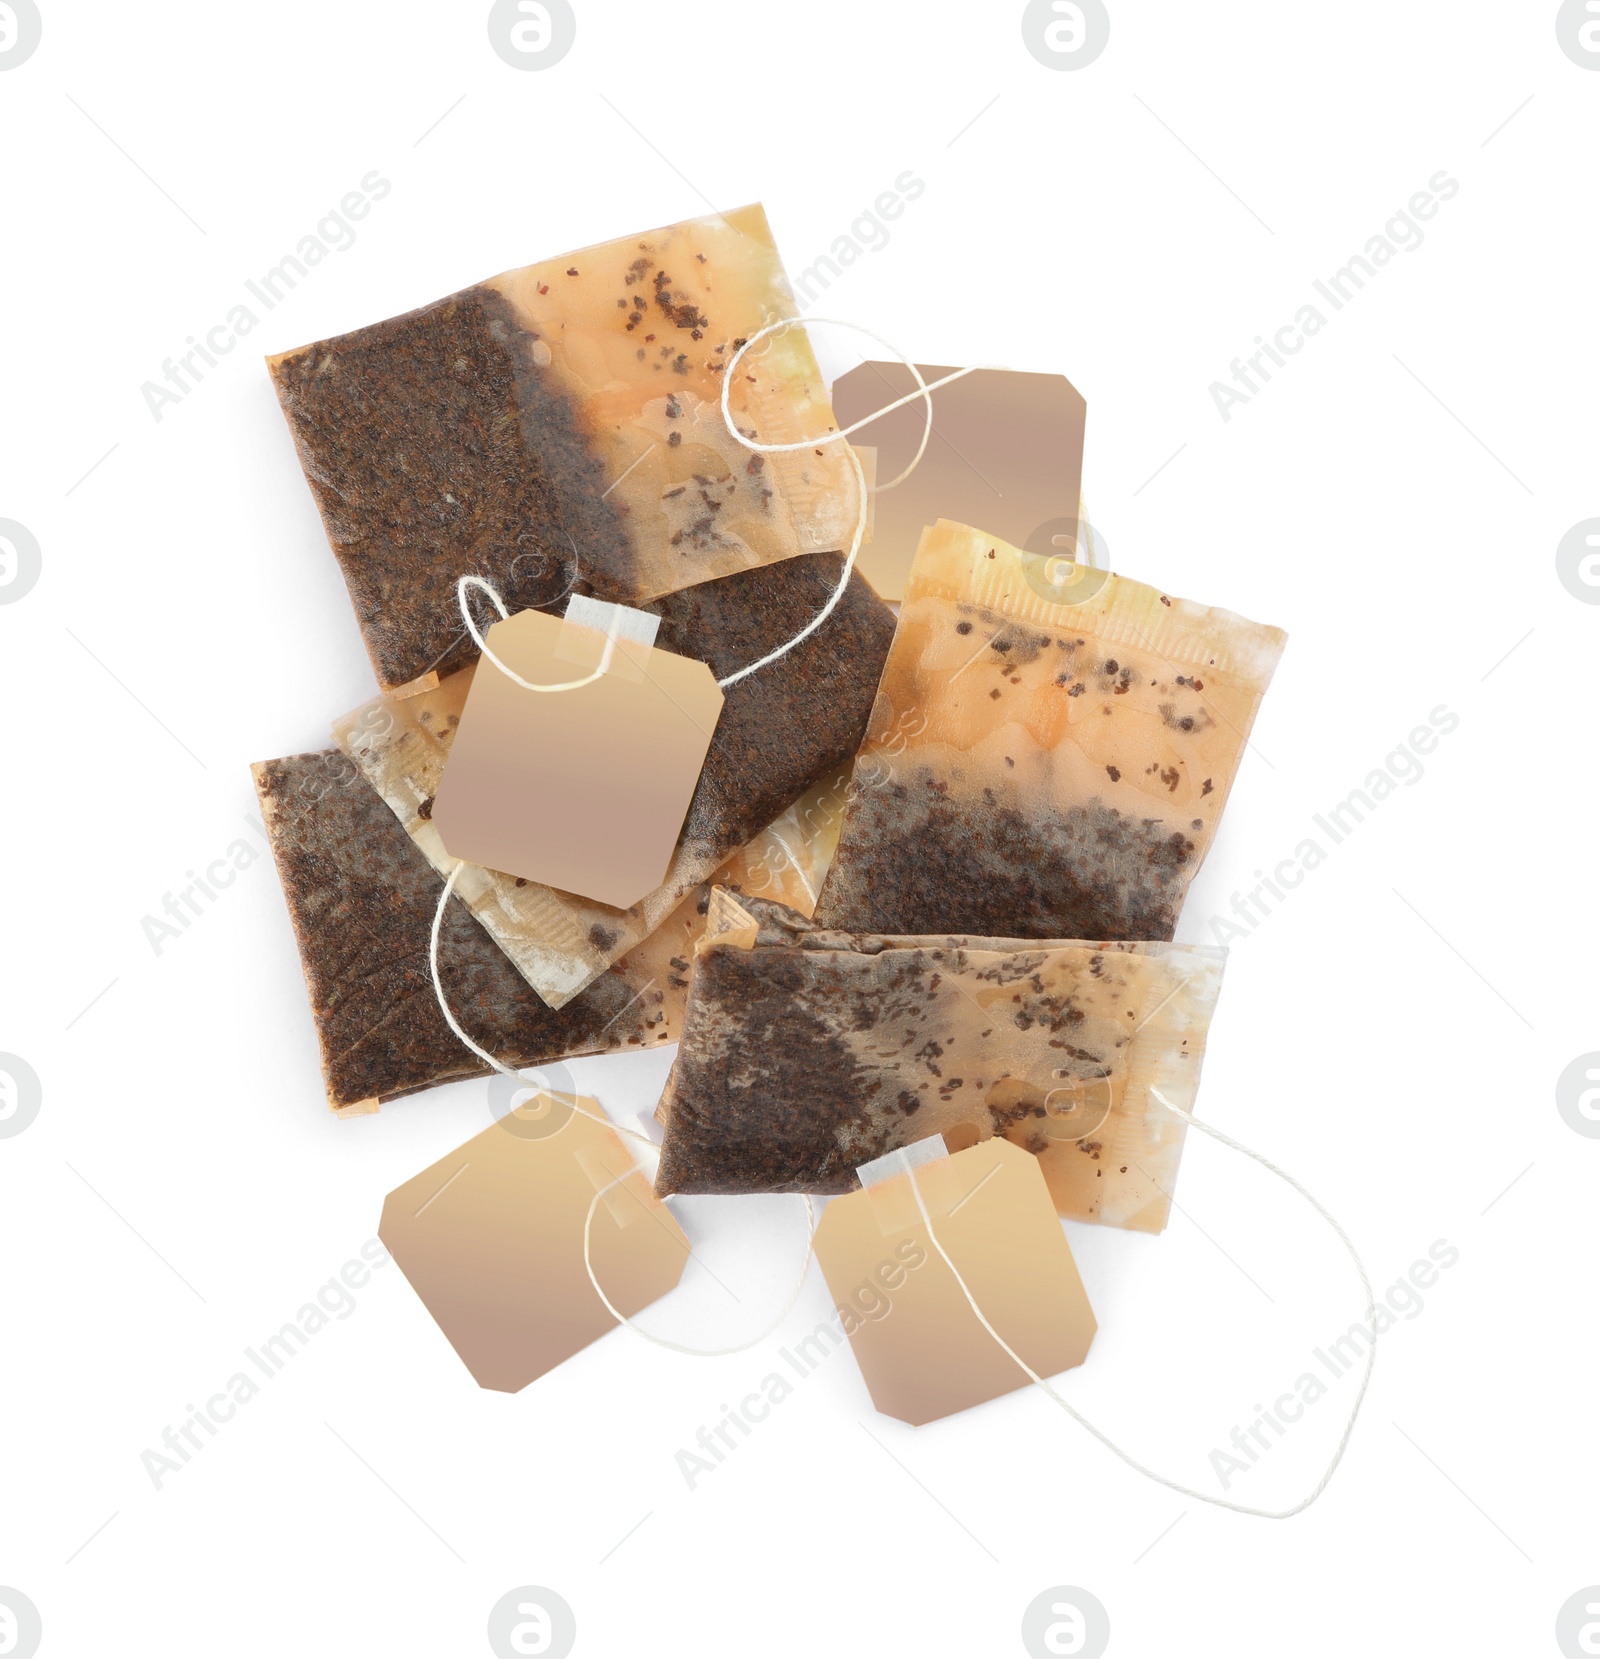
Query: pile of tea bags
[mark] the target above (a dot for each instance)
(557, 431)
(924, 893)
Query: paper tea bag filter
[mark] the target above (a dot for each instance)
(806, 1053)
(361, 897)
(561, 425)
(1006, 452)
(1046, 759)
(586, 789)
(923, 1352)
(491, 1239)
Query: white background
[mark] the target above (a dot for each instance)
(1393, 1033)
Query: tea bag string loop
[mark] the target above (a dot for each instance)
(1104, 1439)
(924, 392)
(467, 582)
(617, 1128)
(830, 604)
(678, 1347)
(462, 1034)
(924, 388)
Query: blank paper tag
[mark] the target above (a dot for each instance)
(491, 1238)
(922, 1350)
(582, 790)
(1006, 453)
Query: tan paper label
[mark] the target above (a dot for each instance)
(491, 1239)
(583, 790)
(1006, 452)
(923, 1352)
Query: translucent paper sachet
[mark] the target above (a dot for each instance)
(362, 898)
(1047, 758)
(769, 784)
(559, 426)
(807, 1052)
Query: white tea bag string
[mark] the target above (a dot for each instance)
(510, 673)
(461, 1033)
(617, 1128)
(924, 388)
(678, 1347)
(611, 637)
(1104, 1439)
(832, 601)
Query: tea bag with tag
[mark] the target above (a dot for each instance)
(491, 1238)
(560, 426)
(769, 785)
(1006, 450)
(588, 794)
(362, 896)
(399, 745)
(922, 1351)
(1050, 751)
(806, 1053)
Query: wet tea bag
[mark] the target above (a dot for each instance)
(583, 788)
(806, 1053)
(491, 1238)
(560, 426)
(785, 737)
(1006, 451)
(400, 743)
(922, 1350)
(362, 897)
(1050, 751)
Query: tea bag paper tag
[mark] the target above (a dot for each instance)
(1006, 452)
(584, 790)
(491, 1239)
(922, 1350)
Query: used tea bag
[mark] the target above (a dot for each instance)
(491, 1239)
(560, 425)
(1006, 450)
(400, 743)
(923, 1352)
(1038, 768)
(807, 1052)
(362, 899)
(587, 794)
(785, 735)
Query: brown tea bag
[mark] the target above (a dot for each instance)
(922, 1350)
(588, 794)
(491, 1239)
(362, 899)
(1006, 450)
(560, 426)
(1044, 769)
(785, 736)
(806, 1053)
